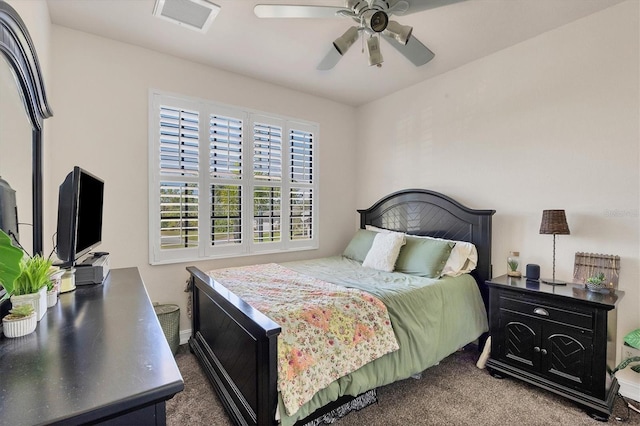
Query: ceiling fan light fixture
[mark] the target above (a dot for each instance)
(373, 50)
(344, 42)
(376, 20)
(401, 33)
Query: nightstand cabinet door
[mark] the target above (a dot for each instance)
(560, 353)
(518, 341)
(568, 358)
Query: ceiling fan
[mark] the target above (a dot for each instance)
(372, 19)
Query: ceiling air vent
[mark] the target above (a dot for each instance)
(195, 14)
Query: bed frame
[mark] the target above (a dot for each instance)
(237, 345)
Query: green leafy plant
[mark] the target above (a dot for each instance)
(596, 279)
(10, 264)
(513, 265)
(33, 276)
(21, 311)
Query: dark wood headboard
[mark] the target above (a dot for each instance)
(424, 212)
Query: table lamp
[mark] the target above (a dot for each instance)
(554, 222)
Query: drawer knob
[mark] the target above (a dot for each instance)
(541, 311)
(536, 349)
(543, 351)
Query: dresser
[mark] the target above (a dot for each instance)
(98, 356)
(560, 338)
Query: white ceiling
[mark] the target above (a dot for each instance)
(286, 51)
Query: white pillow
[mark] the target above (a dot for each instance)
(462, 260)
(384, 251)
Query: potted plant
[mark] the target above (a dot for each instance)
(31, 285)
(513, 262)
(596, 282)
(20, 321)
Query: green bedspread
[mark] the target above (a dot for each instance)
(431, 320)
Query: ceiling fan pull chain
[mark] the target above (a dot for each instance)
(362, 41)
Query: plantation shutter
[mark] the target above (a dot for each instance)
(179, 169)
(225, 155)
(301, 156)
(267, 180)
(226, 170)
(267, 152)
(301, 196)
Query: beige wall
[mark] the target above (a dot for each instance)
(101, 92)
(551, 123)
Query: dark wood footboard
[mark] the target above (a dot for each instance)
(237, 347)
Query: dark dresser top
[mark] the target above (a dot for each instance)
(98, 351)
(606, 299)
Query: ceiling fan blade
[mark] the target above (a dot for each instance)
(296, 11)
(414, 50)
(330, 60)
(419, 5)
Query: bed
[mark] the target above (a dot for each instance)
(237, 345)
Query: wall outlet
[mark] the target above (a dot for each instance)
(628, 352)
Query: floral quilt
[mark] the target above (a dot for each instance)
(328, 331)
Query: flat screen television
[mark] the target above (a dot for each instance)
(80, 202)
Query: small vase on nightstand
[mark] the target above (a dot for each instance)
(513, 264)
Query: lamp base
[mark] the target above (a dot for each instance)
(552, 282)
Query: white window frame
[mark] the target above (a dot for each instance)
(247, 247)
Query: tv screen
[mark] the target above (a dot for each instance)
(80, 199)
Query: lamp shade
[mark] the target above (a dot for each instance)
(554, 222)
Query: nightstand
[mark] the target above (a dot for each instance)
(560, 338)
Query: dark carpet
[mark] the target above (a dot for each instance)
(455, 392)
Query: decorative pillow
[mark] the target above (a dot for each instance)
(359, 245)
(384, 251)
(633, 339)
(425, 257)
(462, 260)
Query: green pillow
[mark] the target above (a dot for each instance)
(359, 245)
(633, 339)
(424, 257)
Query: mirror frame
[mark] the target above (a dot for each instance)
(17, 47)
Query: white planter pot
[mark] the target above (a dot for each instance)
(56, 277)
(19, 327)
(52, 298)
(37, 300)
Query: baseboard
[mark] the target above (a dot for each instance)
(184, 336)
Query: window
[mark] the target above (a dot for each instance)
(228, 181)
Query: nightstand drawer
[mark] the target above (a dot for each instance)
(535, 308)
